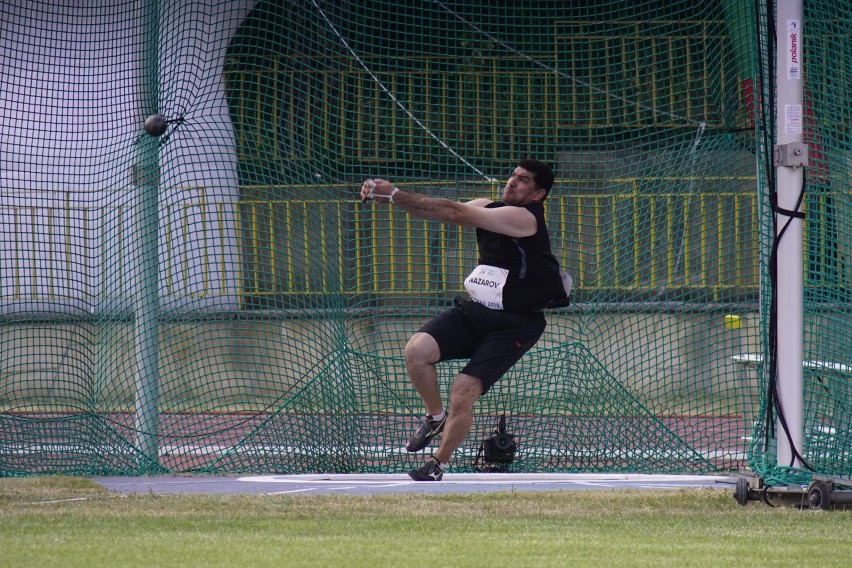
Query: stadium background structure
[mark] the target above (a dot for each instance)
(214, 300)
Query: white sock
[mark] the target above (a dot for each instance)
(440, 415)
(443, 465)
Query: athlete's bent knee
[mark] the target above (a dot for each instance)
(422, 349)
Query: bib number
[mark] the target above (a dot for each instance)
(485, 285)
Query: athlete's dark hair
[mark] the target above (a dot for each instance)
(542, 174)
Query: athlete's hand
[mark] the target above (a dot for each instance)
(378, 189)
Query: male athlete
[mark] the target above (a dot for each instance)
(517, 277)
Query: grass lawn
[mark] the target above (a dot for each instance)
(56, 521)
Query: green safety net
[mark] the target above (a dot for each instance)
(215, 297)
(823, 445)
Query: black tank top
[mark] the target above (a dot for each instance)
(534, 281)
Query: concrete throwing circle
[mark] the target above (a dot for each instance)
(475, 482)
(374, 484)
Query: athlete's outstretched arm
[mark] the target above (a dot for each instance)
(511, 221)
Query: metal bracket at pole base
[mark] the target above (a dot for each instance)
(822, 493)
(792, 155)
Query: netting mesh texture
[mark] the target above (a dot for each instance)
(217, 299)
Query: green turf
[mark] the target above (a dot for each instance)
(73, 522)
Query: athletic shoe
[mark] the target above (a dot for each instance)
(428, 430)
(429, 471)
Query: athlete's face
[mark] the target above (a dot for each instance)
(521, 189)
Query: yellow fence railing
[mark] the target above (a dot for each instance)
(625, 244)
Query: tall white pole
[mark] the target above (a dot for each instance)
(790, 157)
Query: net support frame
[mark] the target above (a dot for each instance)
(146, 277)
(790, 267)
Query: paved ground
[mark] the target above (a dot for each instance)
(372, 484)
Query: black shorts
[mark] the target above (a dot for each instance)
(494, 340)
